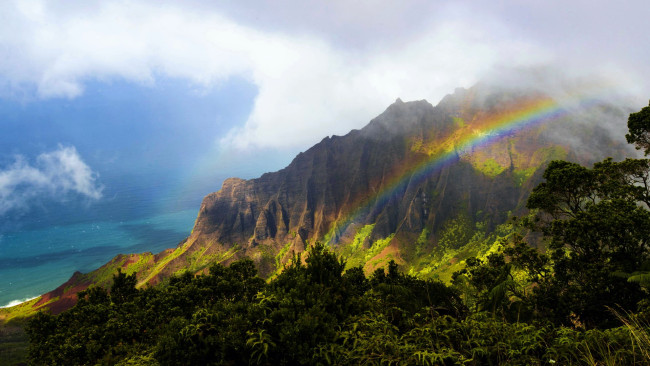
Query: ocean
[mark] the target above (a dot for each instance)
(154, 150)
(41, 250)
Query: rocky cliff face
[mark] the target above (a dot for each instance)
(302, 201)
(371, 177)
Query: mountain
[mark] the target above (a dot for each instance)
(423, 185)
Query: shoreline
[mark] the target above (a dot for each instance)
(13, 303)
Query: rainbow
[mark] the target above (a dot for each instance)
(480, 132)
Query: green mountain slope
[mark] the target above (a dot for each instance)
(422, 185)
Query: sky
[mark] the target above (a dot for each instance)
(94, 93)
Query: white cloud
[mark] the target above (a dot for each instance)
(311, 83)
(54, 175)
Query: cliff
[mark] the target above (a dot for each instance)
(423, 185)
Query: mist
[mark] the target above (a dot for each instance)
(596, 106)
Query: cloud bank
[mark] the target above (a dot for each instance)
(54, 175)
(321, 68)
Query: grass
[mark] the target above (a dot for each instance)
(421, 242)
(351, 252)
(160, 265)
(356, 255)
(280, 256)
(371, 254)
(522, 175)
(639, 330)
(18, 312)
(490, 167)
(441, 262)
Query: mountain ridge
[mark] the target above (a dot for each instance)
(364, 195)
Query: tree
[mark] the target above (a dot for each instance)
(304, 306)
(598, 225)
(638, 125)
(123, 288)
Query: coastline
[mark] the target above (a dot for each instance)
(18, 302)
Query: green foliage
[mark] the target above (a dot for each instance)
(122, 290)
(490, 167)
(433, 339)
(280, 256)
(500, 283)
(522, 175)
(597, 230)
(356, 255)
(183, 320)
(376, 248)
(457, 232)
(422, 238)
(638, 125)
(454, 247)
(314, 313)
(639, 328)
(352, 253)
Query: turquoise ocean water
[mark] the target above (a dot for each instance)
(41, 249)
(37, 261)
